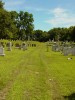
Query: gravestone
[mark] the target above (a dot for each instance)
(65, 51)
(2, 51)
(73, 51)
(9, 46)
(24, 46)
(69, 50)
(55, 47)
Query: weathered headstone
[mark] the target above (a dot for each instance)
(65, 51)
(24, 47)
(9, 46)
(2, 51)
(73, 51)
(55, 47)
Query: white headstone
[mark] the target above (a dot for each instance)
(2, 51)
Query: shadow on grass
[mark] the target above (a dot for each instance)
(70, 97)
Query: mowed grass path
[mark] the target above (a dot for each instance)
(36, 74)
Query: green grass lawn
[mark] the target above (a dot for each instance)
(36, 74)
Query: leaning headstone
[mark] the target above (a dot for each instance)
(2, 51)
(9, 46)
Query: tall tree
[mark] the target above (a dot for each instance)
(1, 4)
(25, 24)
(14, 28)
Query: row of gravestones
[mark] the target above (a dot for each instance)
(22, 46)
(66, 49)
(69, 50)
(9, 45)
(17, 45)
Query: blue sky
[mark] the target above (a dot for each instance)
(47, 13)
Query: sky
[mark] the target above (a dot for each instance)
(47, 14)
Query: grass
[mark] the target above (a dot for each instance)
(36, 74)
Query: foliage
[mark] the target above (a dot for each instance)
(40, 35)
(24, 24)
(1, 4)
(19, 25)
(15, 25)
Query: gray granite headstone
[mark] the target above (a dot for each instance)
(73, 51)
(53, 47)
(2, 51)
(9, 46)
(24, 46)
(65, 51)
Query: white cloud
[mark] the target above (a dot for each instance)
(61, 18)
(58, 12)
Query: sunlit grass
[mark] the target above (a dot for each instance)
(36, 74)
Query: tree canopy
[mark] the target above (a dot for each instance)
(19, 25)
(14, 25)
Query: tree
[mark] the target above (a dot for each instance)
(25, 25)
(72, 33)
(40, 35)
(4, 23)
(1, 4)
(61, 34)
(53, 33)
(14, 28)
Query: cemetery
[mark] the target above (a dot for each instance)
(23, 68)
(37, 50)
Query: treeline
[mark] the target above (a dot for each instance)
(14, 25)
